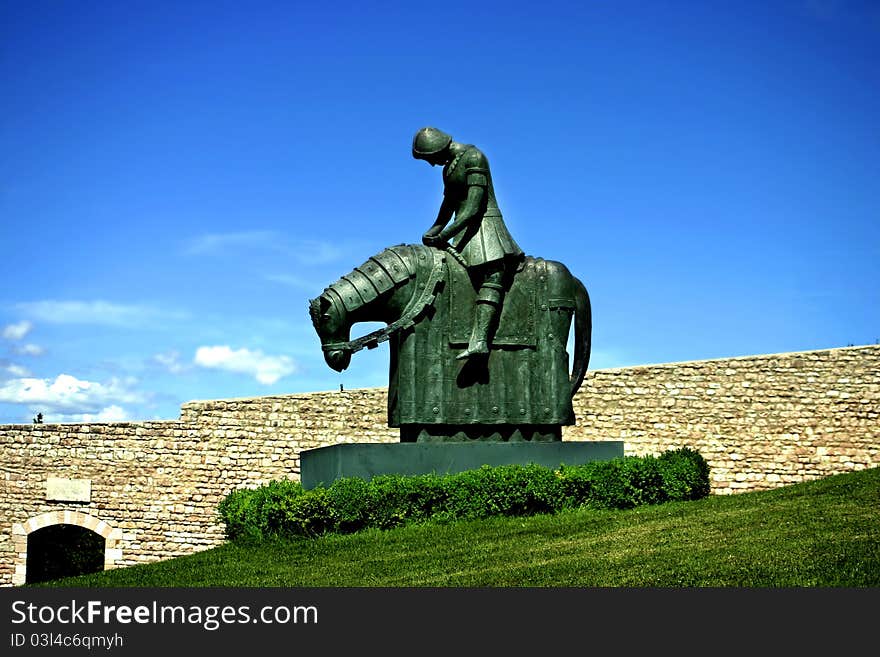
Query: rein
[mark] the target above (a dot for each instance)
(427, 293)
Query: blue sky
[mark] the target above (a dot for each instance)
(177, 179)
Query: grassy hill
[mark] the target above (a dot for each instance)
(824, 533)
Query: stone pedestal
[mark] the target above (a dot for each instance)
(324, 465)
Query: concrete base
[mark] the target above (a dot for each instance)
(324, 465)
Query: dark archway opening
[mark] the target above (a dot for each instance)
(63, 551)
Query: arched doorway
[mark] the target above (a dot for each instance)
(63, 551)
(22, 533)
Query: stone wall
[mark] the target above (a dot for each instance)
(760, 421)
(153, 487)
(150, 484)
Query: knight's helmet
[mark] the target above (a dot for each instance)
(429, 141)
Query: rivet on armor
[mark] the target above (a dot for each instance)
(494, 409)
(435, 410)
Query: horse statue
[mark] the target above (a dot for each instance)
(523, 389)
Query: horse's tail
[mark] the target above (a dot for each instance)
(583, 330)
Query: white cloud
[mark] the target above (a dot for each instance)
(170, 360)
(213, 243)
(308, 252)
(295, 282)
(16, 370)
(264, 368)
(67, 393)
(30, 350)
(313, 252)
(17, 331)
(109, 414)
(97, 312)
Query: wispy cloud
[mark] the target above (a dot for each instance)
(29, 350)
(17, 331)
(305, 252)
(296, 282)
(170, 361)
(214, 243)
(264, 368)
(97, 312)
(315, 252)
(112, 413)
(68, 394)
(15, 370)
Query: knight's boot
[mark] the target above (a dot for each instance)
(484, 313)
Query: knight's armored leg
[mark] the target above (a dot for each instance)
(489, 298)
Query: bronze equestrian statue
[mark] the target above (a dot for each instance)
(468, 285)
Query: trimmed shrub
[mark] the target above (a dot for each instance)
(258, 513)
(284, 508)
(685, 474)
(615, 484)
(390, 500)
(575, 485)
(349, 497)
(420, 497)
(506, 490)
(308, 514)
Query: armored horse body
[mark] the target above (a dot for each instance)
(521, 391)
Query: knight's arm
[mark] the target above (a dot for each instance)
(444, 214)
(473, 205)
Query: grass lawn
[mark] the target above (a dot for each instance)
(824, 533)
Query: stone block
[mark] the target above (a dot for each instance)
(59, 489)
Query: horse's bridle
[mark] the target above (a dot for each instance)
(425, 297)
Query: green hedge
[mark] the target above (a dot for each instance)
(284, 508)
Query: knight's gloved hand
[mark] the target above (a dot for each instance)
(431, 239)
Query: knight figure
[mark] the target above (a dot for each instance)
(477, 233)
